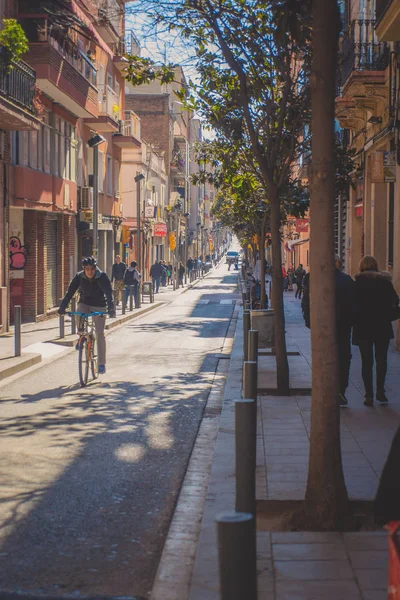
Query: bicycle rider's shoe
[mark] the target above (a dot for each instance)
(102, 369)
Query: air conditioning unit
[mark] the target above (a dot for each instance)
(87, 198)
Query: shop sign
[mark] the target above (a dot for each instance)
(389, 166)
(149, 212)
(377, 170)
(160, 229)
(302, 225)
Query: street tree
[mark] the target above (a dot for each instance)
(326, 503)
(252, 59)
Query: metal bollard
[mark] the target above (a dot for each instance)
(245, 454)
(124, 302)
(62, 327)
(17, 330)
(236, 533)
(253, 345)
(73, 319)
(250, 376)
(131, 297)
(246, 327)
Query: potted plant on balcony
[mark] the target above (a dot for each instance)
(13, 43)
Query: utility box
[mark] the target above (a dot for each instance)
(263, 320)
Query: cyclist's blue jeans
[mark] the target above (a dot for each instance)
(99, 324)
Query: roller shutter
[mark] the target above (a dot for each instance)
(52, 263)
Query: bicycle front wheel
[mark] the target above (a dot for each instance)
(83, 361)
(94, 363)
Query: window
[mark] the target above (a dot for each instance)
(117, 172)
(33, 149)
(110, 189)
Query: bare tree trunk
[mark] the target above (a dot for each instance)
(326, 502)
(262, 263)
(282, 365)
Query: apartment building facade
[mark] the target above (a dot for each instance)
(76, 50)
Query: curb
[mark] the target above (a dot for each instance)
(176, 566)
(19, 363)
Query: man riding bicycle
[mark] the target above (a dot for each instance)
(95, 295)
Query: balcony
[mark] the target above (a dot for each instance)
(362, 86)
(129, 131)
(17, 93)
(63, 71)
(387, 27)
(361, 51)
(109, 112)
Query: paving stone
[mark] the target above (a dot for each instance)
(314, 570)
(371, 540)
(372, 579)
(335, 551)
(320, 590)
(369, 559)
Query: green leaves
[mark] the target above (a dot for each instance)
(14, 42)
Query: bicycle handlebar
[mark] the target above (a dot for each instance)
(91, 314)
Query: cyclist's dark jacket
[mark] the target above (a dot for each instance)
(94, 292)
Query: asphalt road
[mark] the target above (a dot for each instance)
(89, 477)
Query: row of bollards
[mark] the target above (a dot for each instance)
(237, 545)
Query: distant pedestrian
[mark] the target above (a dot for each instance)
(169, 273)
(156, 272)
(132, 278)
(164, 273)
(299, 275)
(117, 277)
(181, 273)
(345, 303)
(376, 305)
(189, 266)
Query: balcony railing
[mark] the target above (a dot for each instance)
(41, 30)
(361, 51)
(109, 102)
(131, 126)
(17, 84)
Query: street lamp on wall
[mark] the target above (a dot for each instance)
(138, 179)
(94, 142)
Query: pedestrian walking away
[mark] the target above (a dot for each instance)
(132, 277)
(156, 272)
(345, 303)
(95, 295)
(290, 278)
(181, 273)
(376, 306)
(299, 275)
(117, 277)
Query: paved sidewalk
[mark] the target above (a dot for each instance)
(41, 341)
(295, 565)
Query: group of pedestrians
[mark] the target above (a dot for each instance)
(294, 277)
(365, 309)
(123, 278)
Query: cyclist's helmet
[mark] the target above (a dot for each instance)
(89, 261)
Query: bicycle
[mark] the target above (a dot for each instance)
(87, 346)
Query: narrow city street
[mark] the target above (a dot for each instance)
(90, 477)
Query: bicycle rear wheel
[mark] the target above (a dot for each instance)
(94, 363)
(83, 361)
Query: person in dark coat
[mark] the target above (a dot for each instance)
(299, 275)
(117, 276)
(375, 303)
(132, 277)
(345, 299)
(156, 272)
